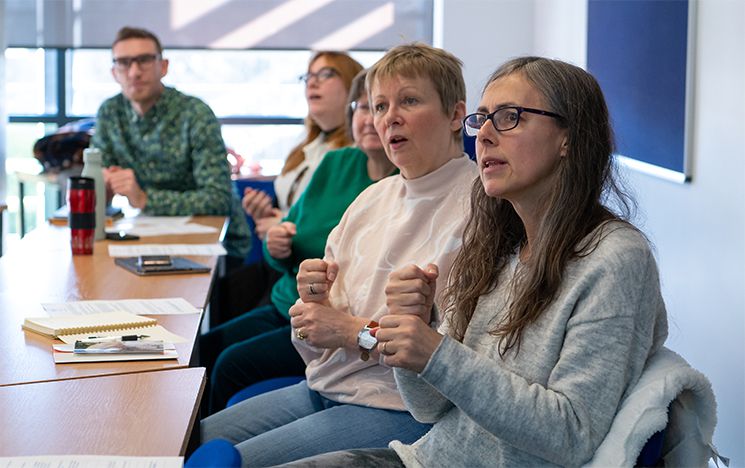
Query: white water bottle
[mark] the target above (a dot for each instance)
(92, 167)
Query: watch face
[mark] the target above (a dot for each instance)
(366, 341)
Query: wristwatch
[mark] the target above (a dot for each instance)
(366, 341)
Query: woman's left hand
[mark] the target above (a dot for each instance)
(325, 327)
(406, 341)
(279, 239)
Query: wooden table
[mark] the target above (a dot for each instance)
(42, 269)
(144, 414)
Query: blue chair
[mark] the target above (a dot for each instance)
(263, 387)
(217, 453)
(469, 145)
(221, 453)
(265, 185)
(651, 454)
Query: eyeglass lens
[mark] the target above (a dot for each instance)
(321, 75)
(144, 60)
(360, 107)
(503, 119)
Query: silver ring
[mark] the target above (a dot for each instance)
(312, 291)
(300, 335)
(382, 349)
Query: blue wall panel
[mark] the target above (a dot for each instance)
(637, 51)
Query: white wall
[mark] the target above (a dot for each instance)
(3, 119)
(483, 41)
(698, 228)
(3, 115)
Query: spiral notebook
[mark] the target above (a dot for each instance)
(91, 323)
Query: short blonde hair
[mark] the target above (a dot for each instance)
(418, 60)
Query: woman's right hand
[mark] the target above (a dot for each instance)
(314, 279)
(279, 239)
(265, 223)
(411, 290)
(256, 203)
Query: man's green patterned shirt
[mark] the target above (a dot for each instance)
(178, 156)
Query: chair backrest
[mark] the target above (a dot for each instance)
(469, 145)
(264, 386)
(670, 396)
(267, 186)
(651, 454)
(217, 453)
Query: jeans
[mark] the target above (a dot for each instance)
(295, 422)
(253, 347)
(360, 458)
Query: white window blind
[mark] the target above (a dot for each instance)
(222, 24)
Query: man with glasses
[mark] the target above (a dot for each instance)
(162, 149)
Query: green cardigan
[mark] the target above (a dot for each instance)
(341, 176)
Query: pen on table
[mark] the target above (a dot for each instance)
(120, 338)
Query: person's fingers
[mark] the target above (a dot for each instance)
(332, 269)
(432, 271)
(312, 265)
(289, 228)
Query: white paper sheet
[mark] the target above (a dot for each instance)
(145, 226)
(90, 461)
(153, 332)
(166, 249)
(166, 306)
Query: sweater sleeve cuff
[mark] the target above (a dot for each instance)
(448, 351)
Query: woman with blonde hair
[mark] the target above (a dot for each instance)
(350, 399)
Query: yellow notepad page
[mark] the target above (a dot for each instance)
(93, 323)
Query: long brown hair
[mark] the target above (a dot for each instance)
(573, 209)
(348, 69)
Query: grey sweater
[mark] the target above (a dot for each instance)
(553, 402)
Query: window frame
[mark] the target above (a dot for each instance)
(62, 75)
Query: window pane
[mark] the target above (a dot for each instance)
(91, 82)
(19, 150)
(258, 83)
(24, 86)
(249, 82)
(263, 147)
(20, 139)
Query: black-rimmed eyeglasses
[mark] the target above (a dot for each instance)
(321, 75)
(143, 61)
(503, 119)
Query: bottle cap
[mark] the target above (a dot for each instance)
(92, 155)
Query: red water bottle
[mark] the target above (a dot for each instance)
(81, 200)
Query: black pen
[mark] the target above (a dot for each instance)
(120, 338)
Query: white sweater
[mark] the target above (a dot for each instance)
(314, 153)
(393, 223)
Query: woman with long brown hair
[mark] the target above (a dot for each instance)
(327, 83)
